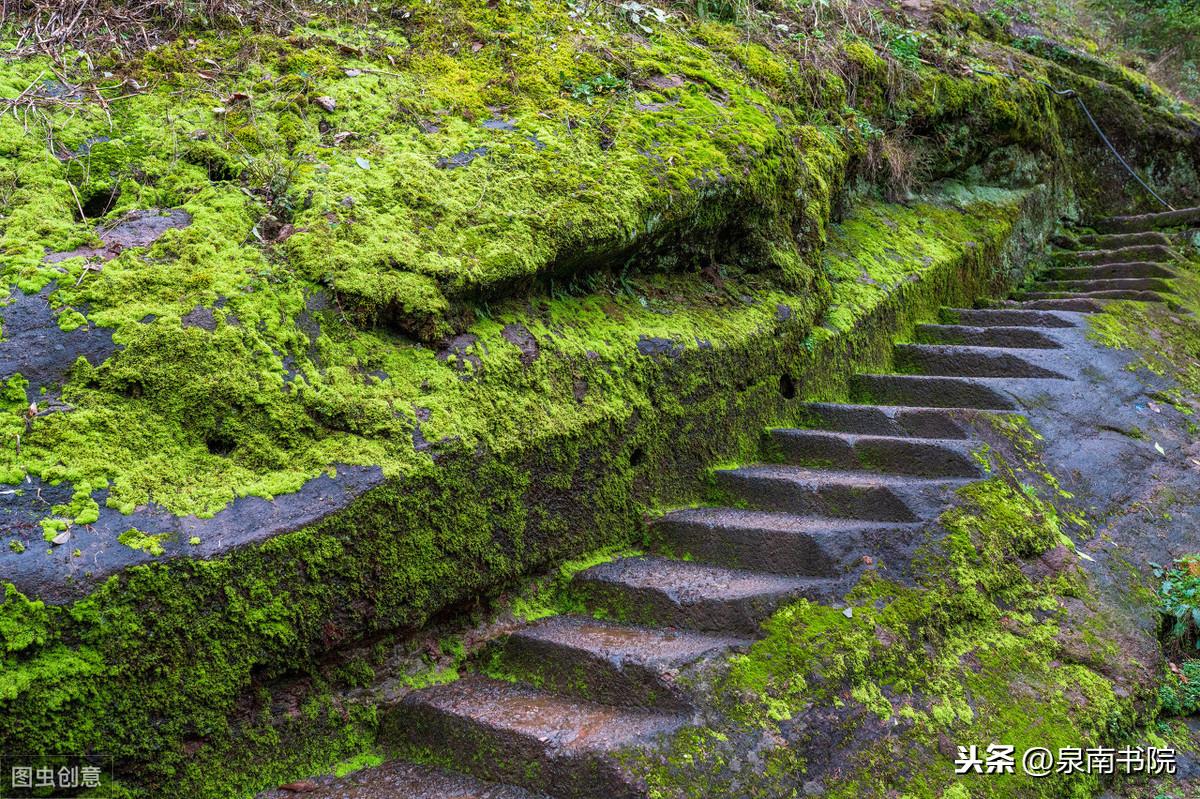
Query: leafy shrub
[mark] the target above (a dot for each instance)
(1179, 600)
(1179, 695)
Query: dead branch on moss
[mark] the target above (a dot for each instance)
(48, 26)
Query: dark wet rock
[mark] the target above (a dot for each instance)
(704, 344)
(579, 388)
(35, 347)
(59, 90)
(61, 576)
(538, 144)
(200, 317)
(520, 337)
(665, 81)
(460, 347)
(783, 313)
(134, 229)
(462, 159)
(499, 123)
(648, 345)
(86, 148)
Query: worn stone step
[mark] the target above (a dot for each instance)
(930, 392)
(508, 732)
(843, 495)
(1119, 255)
(1111, 294)
(614, 664)
(961, 361)
(888, 420)
(991, 336)
(695, 596)
(1112, 241)
(922, 457)
(779, 543)
(397, 779)
(1106, 284)
(1108, 271)
(1144, 222)
(1072, 304)
(1002, 317)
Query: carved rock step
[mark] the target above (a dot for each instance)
(1073, 304)
(950, 360)
(929, 392)
(1003, 317)
(660, 591)
(1114, 241)
(1003, 337)
(780, 543)
(397, 779)
(1106, 284)
(513, 733)
(843, 495)
(1144, 222)
(1108, 271)
(889, 420)
(1139, 252)
(1111, 294)
(921, 457)
(615, 664)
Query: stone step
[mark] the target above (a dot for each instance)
(1072, 304)
(614, 664)
(1119, 255)
(1002, 317)
(958, 361)
(929, 392)
(889, 420)
(508, 732)
(660, 591)
(1112, 294)
(1114, 241)
(397, 779)
(843, 495)
(1106, 284)
(991, 336)
(1108, 271)
(922, 457)
(1144, 222)
(779, 543)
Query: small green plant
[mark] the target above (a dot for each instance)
(1179, 695)
(587, 90)
(1179, 600)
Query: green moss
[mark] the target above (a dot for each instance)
(150, 544)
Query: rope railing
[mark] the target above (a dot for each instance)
(1095, 126)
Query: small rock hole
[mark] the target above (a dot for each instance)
(637, 457)
(98, 204)
(220, 444)
(787, 387)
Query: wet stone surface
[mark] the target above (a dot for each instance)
(56, 574)
(38, 349)
(134, 229)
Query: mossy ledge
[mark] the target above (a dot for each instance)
(557, 415)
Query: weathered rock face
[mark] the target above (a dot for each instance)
(956, 567)
(392, 350)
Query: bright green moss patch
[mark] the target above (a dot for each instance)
(136, 539)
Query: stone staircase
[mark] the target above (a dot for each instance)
(852, 484)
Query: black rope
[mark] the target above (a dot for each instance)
(1095, 126)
